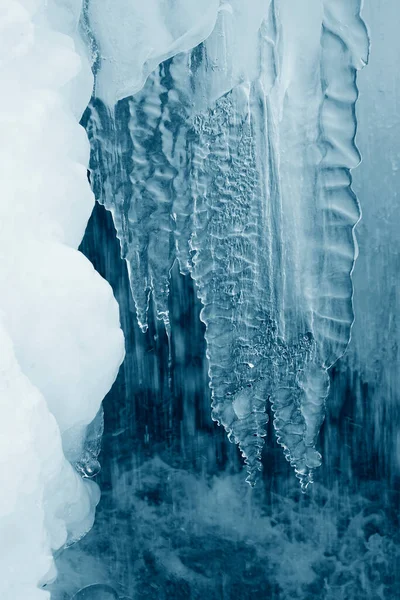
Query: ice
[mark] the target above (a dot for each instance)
(223, 142)
(61, 340)
(246, 181)
(373, 352)
(235, 159)
(96, 592)
(44, 503)
(132, 37)
(232, 49)
(314, 147)
(88, 464)
(135, 179)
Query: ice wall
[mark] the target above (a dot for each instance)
(60, 335)
(235, 159)
(373, 354)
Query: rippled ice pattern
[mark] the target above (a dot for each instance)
(233, 202)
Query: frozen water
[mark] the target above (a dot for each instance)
(181, 165)
(223, 142)
(132, 37)
(60, 336)
(375, 337)
(44, 503)
(235, 159)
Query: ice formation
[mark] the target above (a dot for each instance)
(235, 158)
(60, 336)
(133, 37)
(222, 136)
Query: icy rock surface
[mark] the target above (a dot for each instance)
(60, 338)
(235, 159)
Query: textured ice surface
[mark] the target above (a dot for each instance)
(235, 159)
(60, 338)
(374, 351)
(175, 520)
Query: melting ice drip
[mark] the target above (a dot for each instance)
(234, 159)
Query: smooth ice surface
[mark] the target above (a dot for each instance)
(235, 159)
(44, 501)
(60, 338)
(132, 37)
(374, 351)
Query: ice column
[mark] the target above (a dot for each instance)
(312, 108)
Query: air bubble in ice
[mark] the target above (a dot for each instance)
(88, 467)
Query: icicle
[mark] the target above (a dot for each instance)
(134, 178)
(228, 269)
(313, 109)
(235, 158)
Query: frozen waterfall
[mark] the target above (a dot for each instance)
(219, 141)
(234, 159)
